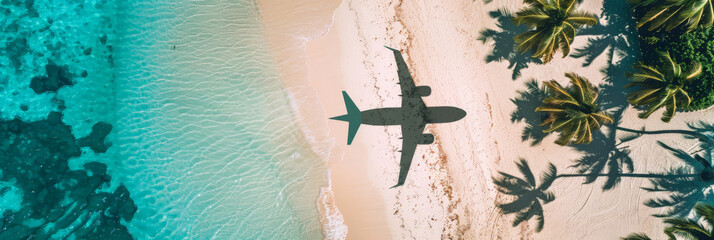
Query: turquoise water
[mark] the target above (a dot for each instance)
(203, 136)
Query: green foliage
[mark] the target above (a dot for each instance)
(637, 236)
(672, 14)
(573, 111)
(661, 86)
(694, 46)
(692, 229)
(553, 25)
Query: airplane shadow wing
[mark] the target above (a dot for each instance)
(413, 109)
(406, 82)
(410, 136)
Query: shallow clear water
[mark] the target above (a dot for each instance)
(203, 134)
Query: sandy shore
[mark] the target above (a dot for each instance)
(324, 47)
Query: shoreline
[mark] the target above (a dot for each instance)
(310, 71)
(367, 71)
(449, 191)
(316, 67)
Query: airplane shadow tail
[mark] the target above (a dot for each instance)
(353, 117)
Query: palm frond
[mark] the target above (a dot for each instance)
(552, 24)
(706, 212)
(661, 86)
(671, 14)
(572, 111)
(637, 236)
(694, 71)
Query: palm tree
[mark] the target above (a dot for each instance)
(553, 25)
(661, 86)
(669, 14)
(686, 228)
(572, 111)
(637, 236)
(528, 194)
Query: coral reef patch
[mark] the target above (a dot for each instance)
(57, 77)
(57, 201)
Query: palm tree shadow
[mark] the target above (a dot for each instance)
(605, 152)
(684, 192)
(616, 35)
(529, 195)
(613, 97)
(617, 39)
(526, 102)
(504, 45)
(706, 147)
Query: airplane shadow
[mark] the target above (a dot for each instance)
(504, 45)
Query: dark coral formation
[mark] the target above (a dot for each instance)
(95, 140)
(57, 77)
(15, 50)
(35, 157)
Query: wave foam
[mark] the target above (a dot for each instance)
(333, 224)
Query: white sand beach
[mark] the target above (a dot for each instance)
(325, 47)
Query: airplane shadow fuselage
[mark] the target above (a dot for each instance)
(412, 116)
(397, 116)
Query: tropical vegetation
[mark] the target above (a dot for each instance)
(662, 86)
(685, 228)
(671, 14)
(694, 46)
(674, 72)
(553, 25)
(573, 110)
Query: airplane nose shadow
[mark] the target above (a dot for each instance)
(443, 114)
(460, 114)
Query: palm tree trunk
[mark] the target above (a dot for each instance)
(634, 175)
(686, 132)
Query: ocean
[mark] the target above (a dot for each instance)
(203, 139)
